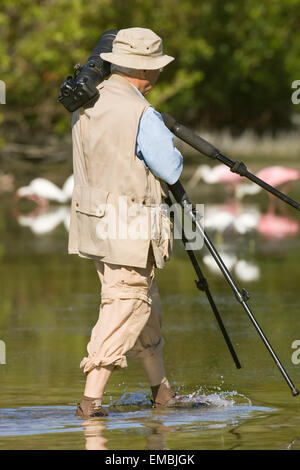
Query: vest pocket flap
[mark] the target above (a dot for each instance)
(90, 200)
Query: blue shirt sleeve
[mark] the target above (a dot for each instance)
(155, 147)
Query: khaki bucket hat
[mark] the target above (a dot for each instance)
(137, 48)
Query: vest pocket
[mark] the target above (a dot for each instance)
(90, 200)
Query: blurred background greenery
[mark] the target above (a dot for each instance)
(235, 61)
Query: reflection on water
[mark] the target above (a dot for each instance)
(43, 221)
(132, 414)
(196, 412)
(50, 301)
(93, 433)
(240, 219)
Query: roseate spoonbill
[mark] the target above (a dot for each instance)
(274, 175)
(41, 191)
(277, 175)
(247, 221)
(219, 218)
(213, 175)
(276, 227)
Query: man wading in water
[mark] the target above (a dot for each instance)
(124, 154)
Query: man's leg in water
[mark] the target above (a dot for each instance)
(124, 311)
(149, 349)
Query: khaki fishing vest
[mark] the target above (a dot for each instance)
(116, 211)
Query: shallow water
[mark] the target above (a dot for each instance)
(50, 301)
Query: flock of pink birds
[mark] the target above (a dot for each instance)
(271, 225)
(273, 175)
(42, 190)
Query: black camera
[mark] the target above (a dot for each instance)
(80, 89)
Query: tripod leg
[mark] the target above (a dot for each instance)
(203, 285)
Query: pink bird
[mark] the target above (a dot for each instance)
(276, 175)
(213, 175)
(275, 227)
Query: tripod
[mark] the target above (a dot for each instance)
(241, 295)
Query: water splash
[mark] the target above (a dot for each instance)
(199, 398)
(219, 398)
(131, 401)
(138, 398)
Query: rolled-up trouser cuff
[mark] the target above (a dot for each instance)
(88, 363)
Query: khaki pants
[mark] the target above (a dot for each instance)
(130, 317)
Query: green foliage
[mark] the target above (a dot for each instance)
(235, 61)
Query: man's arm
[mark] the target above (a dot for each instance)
(155, 146)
